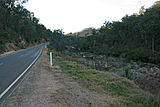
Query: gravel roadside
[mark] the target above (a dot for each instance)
(46, 86)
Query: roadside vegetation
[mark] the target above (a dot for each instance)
(123, 91)
(19, 28)
(128, 48)
(135, 37)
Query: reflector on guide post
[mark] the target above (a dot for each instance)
(51, 58)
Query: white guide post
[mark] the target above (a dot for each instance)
(51, 58)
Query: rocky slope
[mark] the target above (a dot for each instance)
(145, 75)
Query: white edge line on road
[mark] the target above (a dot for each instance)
(1, 63)
(7, 89)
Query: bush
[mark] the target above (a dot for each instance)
(155, 58)
(140, 54)
(2, 41)
(48, 51)
(128, 73)
(2, 45)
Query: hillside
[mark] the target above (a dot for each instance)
(85, 32)
(82, 33)
(19, 28)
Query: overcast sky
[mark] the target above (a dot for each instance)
(75, 15)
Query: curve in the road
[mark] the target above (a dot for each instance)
(13, 67)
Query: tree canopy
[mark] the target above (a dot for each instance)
(136, 37)
(17, 24)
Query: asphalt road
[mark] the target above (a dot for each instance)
(13, 65)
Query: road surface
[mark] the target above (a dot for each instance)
(13, 65)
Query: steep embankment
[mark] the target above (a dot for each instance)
(8, 46)
(19, 28)
(120, 91)
(145, 75)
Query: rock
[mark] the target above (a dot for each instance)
(155, 73)
(142, 70)
(99, 57)
(6, 47)
(137, 76)
(132, 70)
(151, 70)
(84, 56)
(156, 69)
(105, 66)
(134, 65)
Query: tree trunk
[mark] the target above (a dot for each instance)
(153, 44)
(146, 41)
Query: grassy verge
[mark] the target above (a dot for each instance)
(127, 93)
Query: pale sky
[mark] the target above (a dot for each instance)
(75, 15)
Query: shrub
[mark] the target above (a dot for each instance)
(140, 54)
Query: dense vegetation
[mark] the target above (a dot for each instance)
(18, 24)
(135, 37)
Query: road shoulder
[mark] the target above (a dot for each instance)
(48, 86)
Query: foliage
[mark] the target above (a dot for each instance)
(135, 37)
(17, 23)
(125, 92)
(128, 73)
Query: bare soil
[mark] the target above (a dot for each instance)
(7, 53)
(46, 86)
